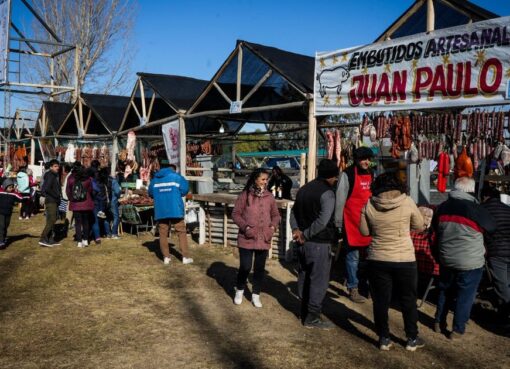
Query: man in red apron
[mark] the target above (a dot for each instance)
(352, 194)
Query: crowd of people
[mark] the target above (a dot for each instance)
(372, 215)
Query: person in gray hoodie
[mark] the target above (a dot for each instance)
(460, 223)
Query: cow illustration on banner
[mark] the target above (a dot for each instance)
(459, 66)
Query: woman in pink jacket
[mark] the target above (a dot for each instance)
(257, 216)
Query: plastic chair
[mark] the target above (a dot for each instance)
(129, 214)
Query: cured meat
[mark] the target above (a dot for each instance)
(130, 146)
(330, 144)
(338, 146)
(444, 171)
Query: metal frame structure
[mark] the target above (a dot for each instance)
(27, 46)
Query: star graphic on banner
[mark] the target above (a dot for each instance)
(446, 59)
(322, 62)
(344, 56)
(326, 100)
(387, 68)
(414, 63)
(507, 74)
(480, 57)
(338, 100)
(335, 59)
(365, 70)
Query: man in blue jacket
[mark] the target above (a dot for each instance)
(167, 188)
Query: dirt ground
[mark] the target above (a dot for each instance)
(117, 306)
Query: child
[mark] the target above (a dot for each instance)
(7, 200)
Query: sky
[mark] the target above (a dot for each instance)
(194, 37)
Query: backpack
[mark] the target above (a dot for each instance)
(78, 193)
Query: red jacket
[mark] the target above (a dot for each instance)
(254, 216)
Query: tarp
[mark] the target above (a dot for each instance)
(108, 108)
(178, 91)
(459, 66)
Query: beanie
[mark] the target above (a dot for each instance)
(363, 153)
(328, 169)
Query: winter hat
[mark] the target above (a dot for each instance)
(8, 182)
(363, 153)
(328, 169)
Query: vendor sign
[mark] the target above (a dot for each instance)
(459, 66)
(171, 134)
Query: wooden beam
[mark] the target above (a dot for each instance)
(239, 72)
(153, 98)
(126, 113)
(89, 116)
(312, 143)
(136, 109)
(257, 86)
(431, 16)
(142, 97)
(222, 93)
(294, 104)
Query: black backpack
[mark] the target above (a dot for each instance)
(78, 193)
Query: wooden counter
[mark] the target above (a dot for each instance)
(216, 225)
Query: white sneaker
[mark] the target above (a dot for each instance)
(255, 300)
(166, 261)
(85, 243)
(238, 299)
(80, 245)
(187, 260)
(20, 218)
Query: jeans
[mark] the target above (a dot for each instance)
(114, 208)
(351, 266)
(26, 206)
(82, 225)
(461, 286)
(5, 220)
(500, 271)
(98, 222)
(313, 277)
(384, 277)
(51, 219)
(245, 262)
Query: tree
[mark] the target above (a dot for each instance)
(101, 29)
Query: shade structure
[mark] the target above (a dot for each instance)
(51, 115)
(94, 115)
(447, 13)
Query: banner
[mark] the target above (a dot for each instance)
(459, 66)
(4, 38)
(171, 134)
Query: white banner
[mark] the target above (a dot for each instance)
(4, 38)
(171, 135)
(459, 66)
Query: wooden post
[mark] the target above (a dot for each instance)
(302, 173)
(115, 152)
(32, 151)
(76, 73)
(430, 16)
(288, 234)
(182, 145)
(312, 143)
(239, 72)
(201, 225)
(225, 226)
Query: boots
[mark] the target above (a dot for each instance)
(355, 296)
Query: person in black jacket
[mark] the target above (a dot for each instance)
(52, 192)
(314, 229)
(498, 250)
(281, 183)
(7, 200)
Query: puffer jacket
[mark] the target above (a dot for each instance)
(389, 218)
(460, 223)
(254, 216)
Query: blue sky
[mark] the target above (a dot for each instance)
(194, 37)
